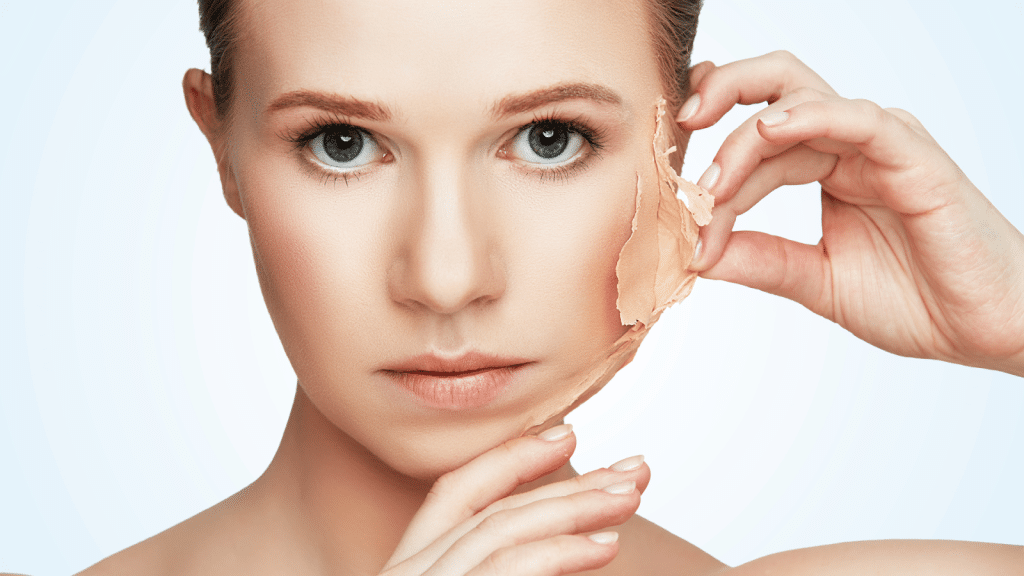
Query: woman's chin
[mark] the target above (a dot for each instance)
(429, 454)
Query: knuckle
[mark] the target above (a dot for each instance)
(446, 484)
(806, 94)
(495, 524)
(711, 76)
(492, 509)
(905, 116)
(786, 56)
(699, 72)
(503, 561)
(583, 483)
(871, 110)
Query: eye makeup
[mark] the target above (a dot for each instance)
(331, 137)
(593, 141)
(326, 138)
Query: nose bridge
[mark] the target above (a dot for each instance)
(450, 257)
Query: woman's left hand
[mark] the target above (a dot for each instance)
(913, 258)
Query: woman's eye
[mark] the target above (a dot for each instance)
(343, 146)
(548, 142)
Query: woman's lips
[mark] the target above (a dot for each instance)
(467, 381)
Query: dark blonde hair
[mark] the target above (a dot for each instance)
(673, 25)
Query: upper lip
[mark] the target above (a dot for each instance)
(438, 365)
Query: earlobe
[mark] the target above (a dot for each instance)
(198, 88)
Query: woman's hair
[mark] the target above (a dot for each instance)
(673, 26)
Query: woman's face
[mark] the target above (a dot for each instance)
(437, 187)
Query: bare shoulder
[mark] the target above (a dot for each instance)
(158, 555)
(646, 548)
(217, 541)
(891, 557)
(177, 550)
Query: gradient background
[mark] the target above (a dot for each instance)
(141, 380)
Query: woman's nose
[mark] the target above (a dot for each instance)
(448, 258)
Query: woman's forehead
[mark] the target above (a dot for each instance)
(469, 53)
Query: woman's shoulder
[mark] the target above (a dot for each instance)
(222, 540)
(158, 555)
(180, 549)
(646, 548)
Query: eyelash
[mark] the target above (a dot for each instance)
(595, 140)
(314, 127)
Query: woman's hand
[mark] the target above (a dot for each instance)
(913, 258)
(471, 523)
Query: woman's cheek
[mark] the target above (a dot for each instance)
(313, 257)
(567, 246)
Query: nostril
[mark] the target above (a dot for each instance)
(448, 278)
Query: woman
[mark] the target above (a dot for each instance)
(447, 269)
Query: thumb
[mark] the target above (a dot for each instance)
(800, 272)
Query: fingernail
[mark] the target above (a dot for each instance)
(697, 251)
(627, 464)
(689, 109)
(604, 537)
(774, 118)
(710, 177)
(555, 432)
(620, 487)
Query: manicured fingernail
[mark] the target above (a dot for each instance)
(697, 251)
(774, 118)
(710, 177)
(627, 464)
(555, 432)
(604, 537)
(620, 487)
(689, 109)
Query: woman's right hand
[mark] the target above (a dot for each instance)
(472, 524)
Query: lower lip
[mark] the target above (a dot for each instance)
(458, 392)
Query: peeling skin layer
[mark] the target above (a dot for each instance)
(653, 264)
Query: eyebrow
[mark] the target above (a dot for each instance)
(519, 103)
(333, 103)
(507, 106)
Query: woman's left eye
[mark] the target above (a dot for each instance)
(345, 147)
(548, 142)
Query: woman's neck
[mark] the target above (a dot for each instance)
(331, 499)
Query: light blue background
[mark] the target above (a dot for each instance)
(142, 380)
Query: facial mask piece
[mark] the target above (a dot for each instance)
(652, 268)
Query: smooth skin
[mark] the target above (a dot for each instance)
(913, 259)
(451, 236)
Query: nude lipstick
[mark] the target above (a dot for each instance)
(470, 380)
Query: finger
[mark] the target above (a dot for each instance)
(911, 121)
(745, 148)
(631, 469)
(460, 494)
(798, 165)
(699, 71)
(550, 557)
(572, 514)
(640, 475)
(762, 79)
(697, 74)
(800, 272)
(905, 160)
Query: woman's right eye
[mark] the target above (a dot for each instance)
(345, 147)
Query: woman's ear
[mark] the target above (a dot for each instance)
(198, 87)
